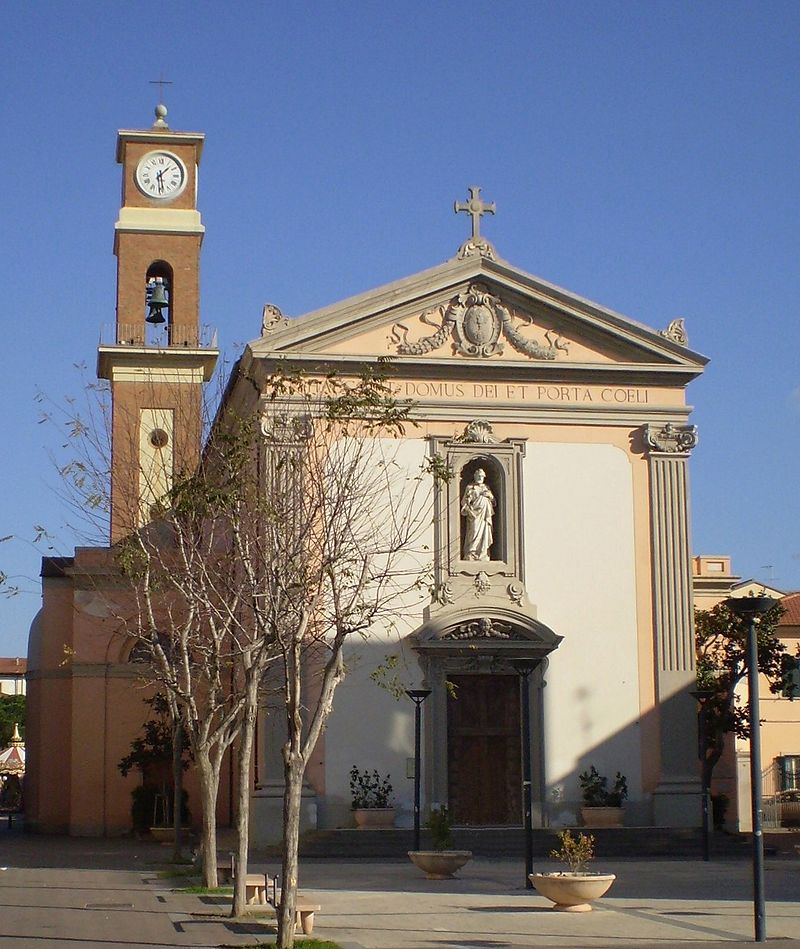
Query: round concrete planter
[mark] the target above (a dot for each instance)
(572, 892)
(602, 816)
(374, 818)
(439, 864)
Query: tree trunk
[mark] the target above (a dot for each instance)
(177, 783)
(243, 799)
(209, 786)
(292, 798)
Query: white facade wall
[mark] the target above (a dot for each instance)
(369, 727)
(580, 573)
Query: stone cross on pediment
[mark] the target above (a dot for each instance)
(475, 246)
(476, 208)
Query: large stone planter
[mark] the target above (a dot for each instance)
(373, 818)
(602, 816)
(439, 864)
(572, 892)
(166, 835)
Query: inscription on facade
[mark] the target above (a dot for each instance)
(516, 392)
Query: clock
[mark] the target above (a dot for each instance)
(161, 175)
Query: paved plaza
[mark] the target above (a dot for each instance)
(108, 893)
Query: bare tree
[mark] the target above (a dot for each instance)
(187, 586)
(200, 604)
(299, 531)
(345, 521)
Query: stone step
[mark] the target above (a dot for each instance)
(510, 842)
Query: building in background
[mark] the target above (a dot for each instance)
(779, 712)
(12, 675)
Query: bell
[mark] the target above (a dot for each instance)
(157, 300)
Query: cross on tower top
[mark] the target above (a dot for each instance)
(476, 208)
(161, 109)
(161, 83)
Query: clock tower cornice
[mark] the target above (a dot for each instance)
(155, 137)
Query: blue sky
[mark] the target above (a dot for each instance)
(644, 155)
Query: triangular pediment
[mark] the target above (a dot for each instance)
(477, 311)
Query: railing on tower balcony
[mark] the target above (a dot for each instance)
(163, 336)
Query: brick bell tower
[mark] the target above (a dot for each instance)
(156, 356)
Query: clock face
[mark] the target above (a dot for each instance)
(161, 175)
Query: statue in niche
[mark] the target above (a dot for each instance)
(478, 505)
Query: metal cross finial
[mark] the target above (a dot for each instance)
(476, 208)
(161, 83)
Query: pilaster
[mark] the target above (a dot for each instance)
(676, 800)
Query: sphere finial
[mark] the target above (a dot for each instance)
(161, 113)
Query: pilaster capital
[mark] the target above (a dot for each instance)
(670, 439)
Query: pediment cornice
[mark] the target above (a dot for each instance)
(541, 333)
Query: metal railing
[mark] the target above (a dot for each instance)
(781, 798)
(162, 336)
(770, 784)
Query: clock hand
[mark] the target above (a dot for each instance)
(160, 180)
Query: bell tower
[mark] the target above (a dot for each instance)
(156, 355)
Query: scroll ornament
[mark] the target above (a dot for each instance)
(676, 331)
(272, 319)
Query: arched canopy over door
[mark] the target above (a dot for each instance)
(503, 636)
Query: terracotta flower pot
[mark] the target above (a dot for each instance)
(439, 864)
(602, 816)
(374, 818)
(572, 892)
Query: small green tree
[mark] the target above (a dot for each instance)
(153, 747)
(12, 710)
(721, 645)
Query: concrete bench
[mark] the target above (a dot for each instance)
(304, 909)
(262, 889)
(255, 886)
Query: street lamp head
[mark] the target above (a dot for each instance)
(748, 607)
(702, 695)
(418, 695)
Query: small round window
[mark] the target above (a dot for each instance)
(159, 438)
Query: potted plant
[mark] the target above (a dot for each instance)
(371, 799)
(442, 862)
(602, 805)
(572, 890)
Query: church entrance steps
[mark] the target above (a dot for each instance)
(510, 842)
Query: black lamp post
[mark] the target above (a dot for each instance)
(747, 608)
(703, 696)
(523, 668)
(417, 696)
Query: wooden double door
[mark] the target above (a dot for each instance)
(484, 754)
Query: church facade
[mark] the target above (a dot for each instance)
(561, 601)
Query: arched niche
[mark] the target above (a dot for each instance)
(502, 464)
